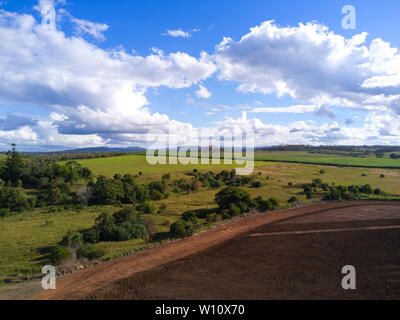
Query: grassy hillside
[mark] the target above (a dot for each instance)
(23, 236)
(136, 163)
(305, 157)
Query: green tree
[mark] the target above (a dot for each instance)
(236, 196)
(14, 166)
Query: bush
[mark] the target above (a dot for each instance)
(91, 236)
(367, 189)
(178, 229)
(72, 239)
(182, 229)
(292, 199)
(90, 252)
(59, 254)
(231, 195)
(274, 201)
(148, 207)
(211, 217)
(234, 210)
(4, 212)
(13, 200)
(190, 216)
(256, 184)
(377, 191)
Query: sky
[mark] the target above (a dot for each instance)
(94, 73)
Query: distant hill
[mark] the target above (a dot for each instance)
(103, 149)
(87, 150)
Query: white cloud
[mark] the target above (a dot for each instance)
(98, 97)
(203, 92)
(290, 109)
(178, 33)
(95, 91)
(312, 65)
(86, 27)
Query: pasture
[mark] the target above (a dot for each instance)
(23, 236)
(328, 159)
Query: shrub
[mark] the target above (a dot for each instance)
(367, 189)
(274, 201)
(91, 236)
(4, 212)
(59, 254)
(211, 217)
(292, 199)
(377, 191)
(90, 252)
(72, 239)
(178, 229)
(236, 196)
(182, 229)
(190, 216)
(13, 200)
(234, 210)
(256, 184)
(148, 207)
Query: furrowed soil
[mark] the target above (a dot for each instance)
(259, 257)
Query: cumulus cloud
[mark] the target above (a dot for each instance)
(179, 33)
(203, 92)
(95, 91)
(98, 97)
(312, 64)
(290, 109)
(86, 27)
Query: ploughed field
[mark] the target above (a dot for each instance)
(296, 258)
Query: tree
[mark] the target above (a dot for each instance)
(148, 207)
(59, 254)
(182, 229)
(14, 166)
(236, 196)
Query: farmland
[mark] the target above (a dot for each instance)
(327, 159)
(24, 236)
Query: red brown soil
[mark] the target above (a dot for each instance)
(207, 266)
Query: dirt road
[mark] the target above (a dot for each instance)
(84, 282)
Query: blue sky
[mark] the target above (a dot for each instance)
(113, 70)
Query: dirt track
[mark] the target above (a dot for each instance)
(85, 282)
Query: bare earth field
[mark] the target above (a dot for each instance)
(265, 258)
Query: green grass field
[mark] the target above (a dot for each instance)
(305, 157)
(136, 163)
(22, 236)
